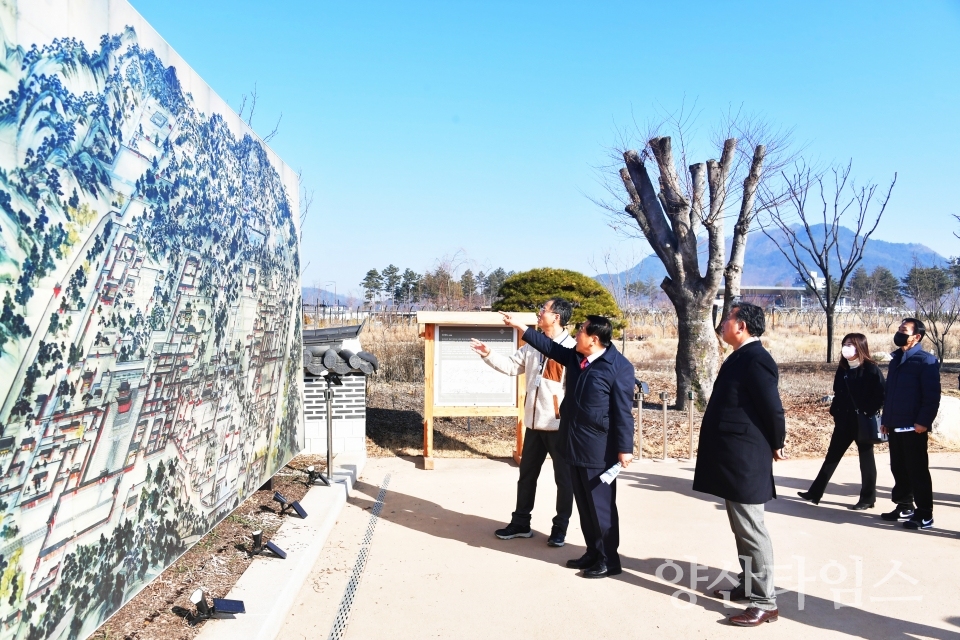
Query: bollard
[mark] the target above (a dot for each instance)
(690, 456)
(642, 389)
(663, 401)
(638, 397)
(328, 397)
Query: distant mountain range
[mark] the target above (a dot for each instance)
(765, 265)
(313, 295)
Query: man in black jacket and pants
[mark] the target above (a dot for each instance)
(596, 432)
(911, 404)
(742, 433)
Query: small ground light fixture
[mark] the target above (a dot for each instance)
(286, 504)
(220, 605)
(313, 475)
(199, 600)
(259, 547)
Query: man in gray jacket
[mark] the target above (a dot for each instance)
(545, 385)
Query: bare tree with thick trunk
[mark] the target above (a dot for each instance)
(682, 218)
(669, 219)
(809, 236)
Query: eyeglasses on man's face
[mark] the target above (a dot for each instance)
(542, 310)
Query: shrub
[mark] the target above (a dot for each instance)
(528, 290)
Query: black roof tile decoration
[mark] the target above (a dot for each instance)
(323, 351)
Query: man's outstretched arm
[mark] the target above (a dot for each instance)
(512, 366)
(565, 356)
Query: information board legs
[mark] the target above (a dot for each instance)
(428, 444)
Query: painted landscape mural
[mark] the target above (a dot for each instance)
(149, 333)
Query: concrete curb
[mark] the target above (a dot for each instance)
(270, 586)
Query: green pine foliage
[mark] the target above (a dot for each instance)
(527, 290)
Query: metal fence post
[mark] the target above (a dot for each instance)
(642, 390)
(638, 397)
(691, 456)
(328, 396)
(663, 402)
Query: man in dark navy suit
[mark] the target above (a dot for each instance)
(596, 433)
(742, 433)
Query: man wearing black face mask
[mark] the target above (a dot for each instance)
(911, 404)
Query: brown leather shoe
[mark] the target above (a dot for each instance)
(753, 617)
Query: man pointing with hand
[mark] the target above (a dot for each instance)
(596, 432)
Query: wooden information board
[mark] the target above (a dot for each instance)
(457, 382)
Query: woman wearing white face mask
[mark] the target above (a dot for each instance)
(858, 385)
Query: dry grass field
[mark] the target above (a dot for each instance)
(395, 395)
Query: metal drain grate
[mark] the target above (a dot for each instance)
(346, 603)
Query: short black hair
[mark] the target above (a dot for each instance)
(752, 316)
(563, 309)
(918, 327)
(601, 327)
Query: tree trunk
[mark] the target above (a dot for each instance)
(698, 354)
(830, 313)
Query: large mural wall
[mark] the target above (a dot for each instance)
(150, 325)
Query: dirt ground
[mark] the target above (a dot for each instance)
(395, 418)
(162, 610)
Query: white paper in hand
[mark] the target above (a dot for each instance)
(610, 474)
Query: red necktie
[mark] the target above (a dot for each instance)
(584, 363)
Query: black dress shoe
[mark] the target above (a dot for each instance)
(754, 617)
(861, 506)
(809, 498)
(599, 570)
(583, 562)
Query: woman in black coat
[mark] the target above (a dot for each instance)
(860, 377)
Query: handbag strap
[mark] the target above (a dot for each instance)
(847, 384)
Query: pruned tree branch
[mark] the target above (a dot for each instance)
(733, 273)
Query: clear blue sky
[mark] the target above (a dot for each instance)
(428, 128)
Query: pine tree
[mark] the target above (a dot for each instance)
(391, 282)
(409, 286)
(468, 284)
(372, 285)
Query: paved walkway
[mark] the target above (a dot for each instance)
(435, 569)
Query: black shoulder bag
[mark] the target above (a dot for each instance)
(868, 427)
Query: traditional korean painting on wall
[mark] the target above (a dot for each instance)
(150, 326)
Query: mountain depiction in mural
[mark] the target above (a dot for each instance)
(149, 273)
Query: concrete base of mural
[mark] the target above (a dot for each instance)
(270, 586)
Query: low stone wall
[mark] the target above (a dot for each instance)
(349, 415)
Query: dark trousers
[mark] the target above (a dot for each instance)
(597, 505)
(911, 471)
(536, 445)
(844, 434)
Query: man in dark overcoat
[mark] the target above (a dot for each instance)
(743, 432)
(596, 432)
